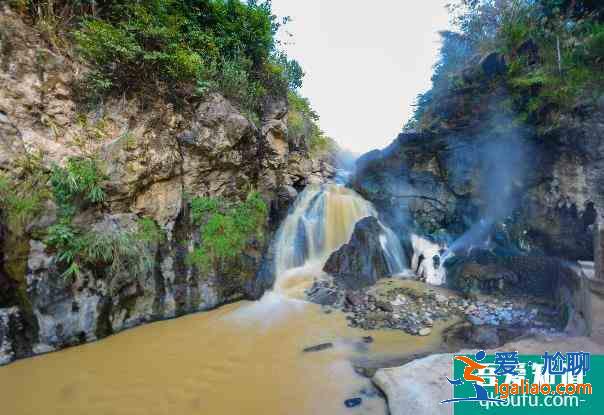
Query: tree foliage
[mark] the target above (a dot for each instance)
(566, 38)
(200, 45)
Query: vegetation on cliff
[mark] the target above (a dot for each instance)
(183, 49)
(302, 121)
(551, 51)
(179, 51)
(180, 47)
(226, 228)
(74, 187)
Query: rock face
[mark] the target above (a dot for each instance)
(451, 181)
(361, 261)
(489, 201)
(156, 157)
(477, 172)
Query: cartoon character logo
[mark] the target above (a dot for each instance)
(468, 376)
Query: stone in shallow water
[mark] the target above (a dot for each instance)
(318, 347)
(351, 403)
(384, 306)
(424, 331)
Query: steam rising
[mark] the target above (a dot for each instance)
(501, 172)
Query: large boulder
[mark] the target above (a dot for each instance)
(418, 387)
(361, 261)
(485, 272)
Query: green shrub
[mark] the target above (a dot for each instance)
(302, 123)
(226, 228)
(565, 65)
(149, 232)
(80, 181)
(320, 145)
(21, 201)
(225, 45)
(120, 251)
(594, 43)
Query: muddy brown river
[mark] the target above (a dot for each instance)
(244, 358)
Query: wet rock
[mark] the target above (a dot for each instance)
(424, 331)
(361, 261)
(318, 347)
(351, 403)
(484, 272)
(377, 316)
(323, 296)
(553, 216)
(8, 318)
(485, 337)
(384, 306)
(493, 64)
(403, 395)
(355, 298)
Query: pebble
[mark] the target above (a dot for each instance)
(424, 331)
(318, 347)
(415, 311)
(351, 403)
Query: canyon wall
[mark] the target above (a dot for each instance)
(156, 155)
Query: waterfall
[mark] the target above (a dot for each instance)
(428, 259)
(321, 221)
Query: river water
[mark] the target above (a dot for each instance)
(243, 358)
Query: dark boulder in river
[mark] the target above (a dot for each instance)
(361, 261)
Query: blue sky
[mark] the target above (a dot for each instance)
(365, 62)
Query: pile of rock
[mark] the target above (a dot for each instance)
(416, 310)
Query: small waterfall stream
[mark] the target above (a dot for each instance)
(321, 221)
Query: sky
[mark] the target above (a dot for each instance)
(365, 62)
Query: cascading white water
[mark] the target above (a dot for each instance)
(423, 260)
(322, 220)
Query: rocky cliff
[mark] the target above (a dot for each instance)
(155, 156)
(479, 173)
(500, 203)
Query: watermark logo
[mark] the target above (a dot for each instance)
(559, 382)
(468, 376)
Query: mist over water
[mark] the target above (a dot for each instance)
(501, 172)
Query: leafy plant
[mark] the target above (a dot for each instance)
(224, 45)
(226, 229)
(21, 201)
(78, 182)
(123, 251)
(553, 50)
(149, 232)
